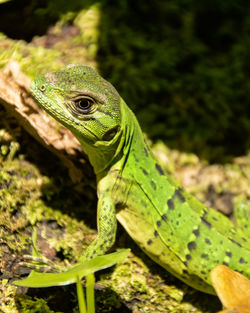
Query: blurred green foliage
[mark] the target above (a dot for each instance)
(183, 66)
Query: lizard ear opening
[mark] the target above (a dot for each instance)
(110, 134)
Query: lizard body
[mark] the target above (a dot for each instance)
(170, 225)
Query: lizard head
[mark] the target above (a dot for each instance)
(79, 98)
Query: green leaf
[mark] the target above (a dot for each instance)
(71, 276)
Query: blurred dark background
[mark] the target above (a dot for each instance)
(182, 65)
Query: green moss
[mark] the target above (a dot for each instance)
(64, 48)
(27, 304)
(7, 291)
(32, 59)
(24, 206)
(145, 292)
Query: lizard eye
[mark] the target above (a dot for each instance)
(84, 105)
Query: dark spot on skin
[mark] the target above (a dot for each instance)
(159, 169)
(164, 217)
(179, 195)
(185, 263)
(136, 159)
(144, 171)
(149, 242)
(191, 245)
(244, 239)
(242, 261)
(153, 184)
(188, 257)
(146, 152)
(196, 232)
(204, 256)
(177, 223)
(94, 252)
(170, 204)
(143, 203)
(179, 215)
(101, 247)
(225, 263)
(202, 272)
(205, 222)
(184, 271)
(156, 233)
(229, 254)
(158, 223)
(214, 218)
(207, 241)
(163, 254)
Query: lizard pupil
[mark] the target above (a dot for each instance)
(84, 105)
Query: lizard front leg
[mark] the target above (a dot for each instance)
(106, 227)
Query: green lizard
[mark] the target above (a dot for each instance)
(170, 225)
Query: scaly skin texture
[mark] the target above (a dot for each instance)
(170, 225)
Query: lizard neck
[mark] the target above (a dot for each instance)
(131, 146)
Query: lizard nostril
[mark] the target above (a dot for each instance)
(42, 88)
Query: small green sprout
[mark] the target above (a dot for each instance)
(74, 275)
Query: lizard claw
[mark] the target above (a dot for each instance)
(41, 264)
